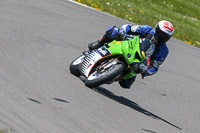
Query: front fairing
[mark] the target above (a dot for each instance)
(130, 50)
(91, 60)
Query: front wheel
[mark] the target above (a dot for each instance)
(74, 66)
(98, 78)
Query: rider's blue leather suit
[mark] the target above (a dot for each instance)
(143, 31)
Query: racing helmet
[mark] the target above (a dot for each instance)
(164, 31)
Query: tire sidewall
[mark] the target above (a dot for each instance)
(75, 68)
(107, 77)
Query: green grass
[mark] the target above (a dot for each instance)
(2, 131)
(183, 14)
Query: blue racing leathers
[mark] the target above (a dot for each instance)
(157, 59)
(144, 31)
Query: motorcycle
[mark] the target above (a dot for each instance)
(115, 61)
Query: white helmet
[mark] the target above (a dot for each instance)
(164, 31)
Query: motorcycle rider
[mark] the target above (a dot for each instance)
(160, 35)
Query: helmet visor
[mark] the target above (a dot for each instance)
(162, 36)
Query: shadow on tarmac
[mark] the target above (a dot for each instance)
(129, 103)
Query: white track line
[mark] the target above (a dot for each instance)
(94, 9)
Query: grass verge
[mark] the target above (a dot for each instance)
(183, 14)
(2, 131)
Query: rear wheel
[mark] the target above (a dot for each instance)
(100, 77)
(74, 66)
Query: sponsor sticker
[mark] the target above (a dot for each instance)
(129, 55)
(103, 51)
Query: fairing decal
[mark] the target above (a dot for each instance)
(92, 59)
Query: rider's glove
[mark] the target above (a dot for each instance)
(138, 67)
(142, 67)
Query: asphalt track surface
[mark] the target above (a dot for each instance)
(38, 41)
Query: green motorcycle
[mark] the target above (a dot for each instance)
(117, 60)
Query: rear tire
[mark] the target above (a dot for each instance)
(74, 66)
(93, 80)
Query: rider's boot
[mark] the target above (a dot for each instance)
(95, 45)
(92, 46)
(98, 43)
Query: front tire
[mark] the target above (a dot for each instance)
(97, 79)
(74, 66)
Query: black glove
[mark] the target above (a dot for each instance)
(138, 67)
